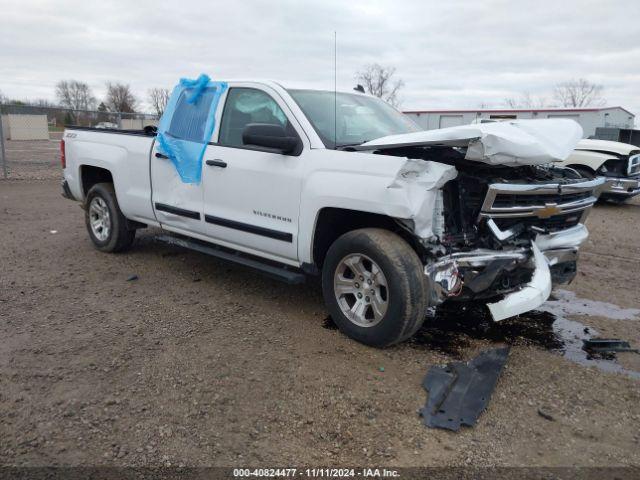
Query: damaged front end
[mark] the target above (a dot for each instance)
(508, 238)
(496, 221)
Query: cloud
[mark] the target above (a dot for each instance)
(450, 54)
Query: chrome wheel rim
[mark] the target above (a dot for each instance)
(99, 219)
(361, 290)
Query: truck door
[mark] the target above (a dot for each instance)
(252, 196)
(177, 205)
(176, 186)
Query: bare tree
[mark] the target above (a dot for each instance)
(579, 93)
(120, 98)
(158, 98)
(42, 102)
(526, 100)
(511, 102)
(75, 95)
(378, 81)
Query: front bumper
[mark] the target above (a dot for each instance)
(547, 251)
(531, 296)
(622, 187)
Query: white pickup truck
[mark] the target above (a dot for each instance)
(617, 162)
(306, 182)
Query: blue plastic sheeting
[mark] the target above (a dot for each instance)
(187, 124)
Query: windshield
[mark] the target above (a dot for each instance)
(359, 118)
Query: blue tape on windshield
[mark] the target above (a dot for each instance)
(187, 125)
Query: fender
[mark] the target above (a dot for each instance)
(108, 157)
(593, 160)
(396, 187)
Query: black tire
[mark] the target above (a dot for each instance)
(120, 236)
(406, 290)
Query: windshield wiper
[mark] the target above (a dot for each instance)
(342, 146)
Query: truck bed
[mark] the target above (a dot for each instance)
(122, 154)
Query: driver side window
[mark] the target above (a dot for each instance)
(244, 106)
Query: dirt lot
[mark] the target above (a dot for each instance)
(198, 362)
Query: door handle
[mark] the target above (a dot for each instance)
(216, 163)
(161, 155)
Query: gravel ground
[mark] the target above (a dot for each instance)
(33, 159)
(198, 362)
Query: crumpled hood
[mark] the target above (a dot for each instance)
(516, 142)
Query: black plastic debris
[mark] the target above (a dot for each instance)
(459, 392)
(546, 415)
(607, 345)
(132, 278)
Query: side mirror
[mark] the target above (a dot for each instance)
(272, 137)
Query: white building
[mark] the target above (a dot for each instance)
(588, 118)
(25, 127)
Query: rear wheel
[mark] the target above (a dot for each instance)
(106, 224)
(374, 286)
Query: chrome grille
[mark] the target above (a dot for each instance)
(504, 200)
(507, 200)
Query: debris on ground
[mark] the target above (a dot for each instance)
(131, 278)
(452, 329)
(459, 392)
(546, 415)
(607, 345)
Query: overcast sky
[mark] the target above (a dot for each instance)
(450, 54)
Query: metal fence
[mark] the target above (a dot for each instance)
(30, 135)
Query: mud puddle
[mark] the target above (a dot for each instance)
(451, 330)
(565, 302)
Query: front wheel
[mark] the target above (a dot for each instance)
(106, 224)
(374, 286)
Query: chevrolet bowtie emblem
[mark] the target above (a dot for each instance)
(549, 210)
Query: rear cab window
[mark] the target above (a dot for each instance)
(189, 119)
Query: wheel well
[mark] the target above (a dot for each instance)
(583, 167)
(335, 222)
(91, 175)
